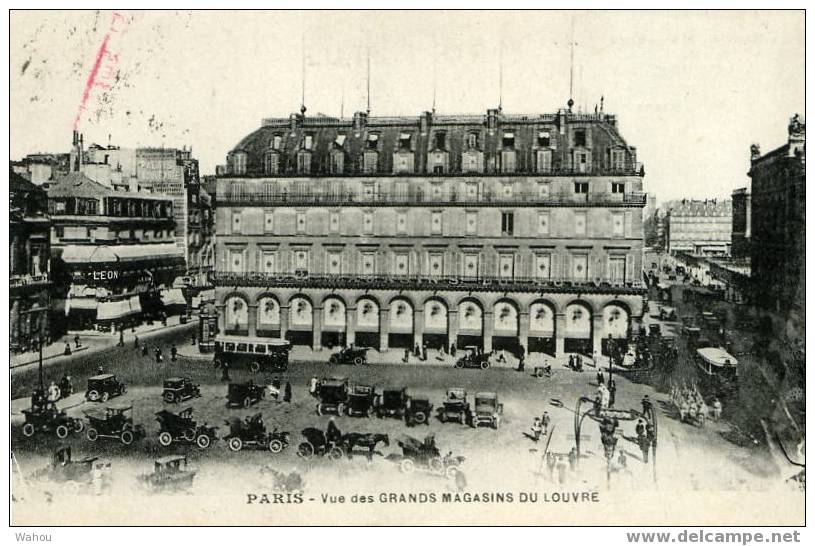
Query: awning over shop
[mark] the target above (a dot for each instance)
(84, 304)
(173, 296)
(135, 304)
(105, 254)
(112, 310)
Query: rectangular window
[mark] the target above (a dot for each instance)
(435, 264)
(300, 220)
(436, 222)
(308, 142)
(334, 221)
(580, 267)
(401, 223)
(616, 269)
(544, 163)
(368, 223)
(579, 223)
(470, 265)
(368, 263)
(507, 223)
(543, 223)
(401, 263)
(581, 188)
(470, 162)
(506, 266)
(301, 261)
(471, 222)
(508, 140)
(272, 163)
(617, 160)
(369, 161)
(368, 191)
(239, 163)
(543, 139)
(304, 163)
(438, 169)
(404, 142)
(277, 142)
(236, 222)
(543, 266)
(268, 221)
(236, 261)
(508, 161)
(337, 162)
(580, 138)
(618, 224)
(439, 140)
(334, 262)
(618, 187)
(472, 141)
(582, 162)
(269, 264)
(373, 141)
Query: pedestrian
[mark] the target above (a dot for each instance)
(121, 338)
(598, 404)
(159, 356)
(453, 349)
(622, 460)
(717, 409)
(600, 379)
(144, 349)
(225, 371)
(612, 392)
(645, 445)
(573, 459)
(287, 392)
(406, 357)
(647, 406)
(193, 340)
(76, 340)
(536, 429)
(312, 385)
(173, 352)
(424, 352)
(545, 420)
(417, 351)
(67, 351)
(604, 396)
(53, 392)
(136, 343)
(521, 357)
(640, 428)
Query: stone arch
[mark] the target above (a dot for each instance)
(334, 313)
(470, 316)
(238, 294)
(400, 315)
(436, 315)
(236, 313)
(542, 318)
(268, 312)
(616, 320)
(506, 317)
(367, 314)
(578, 331)
(301, 312)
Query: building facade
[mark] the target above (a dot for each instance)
(742, 223)
(490, 230)
(117, 247)
(778, 224)
(29, 253)
(699, 227)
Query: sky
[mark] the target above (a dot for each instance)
(691, 90)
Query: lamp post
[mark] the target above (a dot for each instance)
(36, 312)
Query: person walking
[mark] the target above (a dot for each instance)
(76, 341)
(159, 356)
(225, 371)
(645, 446)
(717, 409)
(287, 393)
(53, 392)
(521, 357)
(453, 349)
(647, 406)
(545, 421)
(173, 353)
(573, 459)
(536, 429)
(136, 343)
(612, 392)
(121, 338)
(67, 351)
(600, 378)
(144, 349)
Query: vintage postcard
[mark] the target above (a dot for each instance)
(407, 268)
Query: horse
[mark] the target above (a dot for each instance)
(365, 440)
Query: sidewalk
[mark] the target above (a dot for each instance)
(91, 341)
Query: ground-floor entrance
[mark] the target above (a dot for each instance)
(400, 341)
(545, 345)
(469, 341)
(367, 339)
(300, 337)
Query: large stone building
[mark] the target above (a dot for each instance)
(779, 224)
(390, 232)
(742, 223)
(699, 227)
(29, 253)
(118, 248)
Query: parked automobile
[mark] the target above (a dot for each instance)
(361, 401)
(424, 454)
(244, 395)
(392, 402)
(72, 473)
(473, 358)
(333, 395)
(182, 428)
(115, 422)
(43, 416)
(455, 407)
(418, 411)
(169, 473)
(178, 389)
(102, 387)
(254, 353)
(487, 410)
(350, 355)
(316, 443)
(251, 432)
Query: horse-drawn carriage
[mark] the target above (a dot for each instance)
(317, 443)
(181, 427)
(425, 455)
(251, 432)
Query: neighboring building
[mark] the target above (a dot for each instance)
(118, 248)
(390, 232)
(778, 224)
(29, 253)
(742, 218)
(700, 227)
(201, 235)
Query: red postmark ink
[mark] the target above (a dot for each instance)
(103, 72)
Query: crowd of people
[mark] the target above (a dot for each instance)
(691, 405)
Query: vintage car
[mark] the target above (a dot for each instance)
(103, 387)
(424, 454)
(74, 474)
(316, 443)
(182, 428)
(169, 473)
(487, 410)
(350, 355)
(392, 402)
(251, 432)
(473, 358)
(667, 313)
(361, 401)
(43, 416)
(243, 395)
(255, 353)
(116, 422)
(455, 407)
(332, 394)
(178, 389)
(418, 411)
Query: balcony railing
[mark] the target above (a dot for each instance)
(18, 281)
(426, 282)
(445, 198)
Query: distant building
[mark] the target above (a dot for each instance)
(700, 227)
(118, 248)
(742, 219)
(778, 224)
(29, 253)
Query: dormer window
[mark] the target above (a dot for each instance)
(277, 142)
(404, 142)
(580, 137)
(543, 139)
(472, 141)
(508, 141)
(308, 142)
(440, 140)
(239, 163)
(373, 141)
